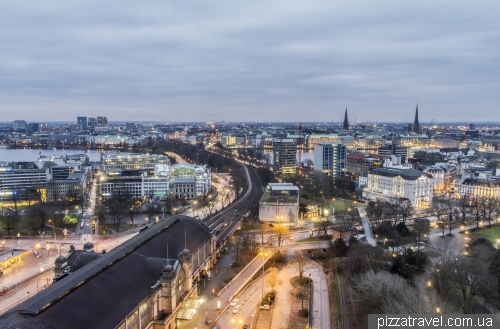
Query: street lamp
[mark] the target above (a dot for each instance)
(263, 255)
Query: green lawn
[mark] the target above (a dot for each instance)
(340, 204)
(492, 233)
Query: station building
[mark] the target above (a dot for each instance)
(149, 282)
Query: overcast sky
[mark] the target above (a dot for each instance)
(250, 60)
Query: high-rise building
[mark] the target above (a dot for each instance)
(20, 125)
(284, 156)
(92, 122)
(330, 158)
(416, 124)
(346, 121)
(102, 121)
(82, 121)
(33, 127)
(130, 126)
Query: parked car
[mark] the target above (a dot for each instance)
(236, 309)
(216, 326)
(234, 302)
(265, 307)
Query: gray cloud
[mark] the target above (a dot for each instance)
(261, 60)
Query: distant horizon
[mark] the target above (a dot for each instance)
(6, 123)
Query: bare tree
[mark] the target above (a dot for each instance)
(263, 229)
(41, 213)
(440, 206)
(489, 208)
(300, 263)
(348, 218)
(9, 221)
(375, 211)
(273, 278)
(246, 247)
(382, 292)
(441, 272)
(462, 204)
(100, 213)
(153, 208)
(471, 278)
(281, 231)
(476, 207)
(420, 229)
(405, 208)
(323, 226)
(301, 292)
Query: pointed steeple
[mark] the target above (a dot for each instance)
(416, 124)
(346, 121)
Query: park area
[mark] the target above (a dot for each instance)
(491, 233)
(342, 204)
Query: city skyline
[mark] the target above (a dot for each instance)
(305, 62)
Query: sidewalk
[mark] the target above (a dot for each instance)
(209, 308)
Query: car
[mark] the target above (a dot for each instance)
(265, 307)
(236, 309)
(216, 326)
(234, 302)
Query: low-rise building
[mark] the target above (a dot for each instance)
(344, 233)
(476, 187)
(280, 204)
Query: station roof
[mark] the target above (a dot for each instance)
(102, 293)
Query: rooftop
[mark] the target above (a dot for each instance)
(102, 293)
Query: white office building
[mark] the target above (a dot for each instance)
(388, 184)
(146, 176)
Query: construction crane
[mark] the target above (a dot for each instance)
(299, 150)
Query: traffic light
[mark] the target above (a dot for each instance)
(93, 227)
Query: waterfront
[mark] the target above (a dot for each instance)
(34, 154)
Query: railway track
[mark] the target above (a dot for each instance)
(243, 205)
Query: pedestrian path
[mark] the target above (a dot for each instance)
(366, 226)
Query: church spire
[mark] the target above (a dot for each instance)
(416, 124)
(346, 121)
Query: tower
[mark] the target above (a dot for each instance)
(416, 125)
(284, 156)
(299, 150)
(330, 158)
(346, 121)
